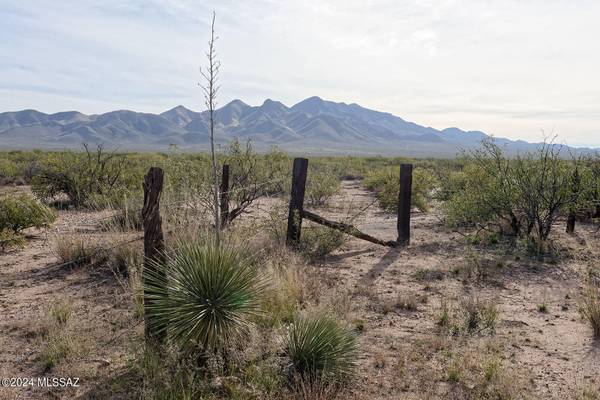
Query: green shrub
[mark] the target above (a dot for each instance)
(385, 183)
(319, 241)
(320, 187)
(87, 179)
(522, 196)
(22, 211)
(204, 297)
(8, 169)
(320, 348)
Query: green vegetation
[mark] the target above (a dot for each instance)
(19, 212)
(321, 349)
(245, 327)
(205, 298)
(22, 211)
(385, 183)
(522, 196)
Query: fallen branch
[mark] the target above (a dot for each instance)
(346, 228)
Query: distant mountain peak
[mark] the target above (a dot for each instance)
(236, 102)
(312, 125)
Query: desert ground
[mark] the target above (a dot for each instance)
(400, 301)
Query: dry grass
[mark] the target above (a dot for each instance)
(74, 250)
(590, 308)
(59, 340)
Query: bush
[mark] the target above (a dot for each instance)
(520, 196)
(205, 296)
(319, 241)
(385, 183)
(320, 187)
(18, 212)
(86, 179)
(321, 349)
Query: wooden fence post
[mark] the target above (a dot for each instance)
(296, 201)
(404, 198)
(575, 188)
(225, 195)
(153, 242)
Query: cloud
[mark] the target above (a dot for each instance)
(510, 68)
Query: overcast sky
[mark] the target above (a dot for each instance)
(509, 68)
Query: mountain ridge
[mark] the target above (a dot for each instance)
(313, 125)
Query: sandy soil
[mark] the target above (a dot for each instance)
(554, 349)
(403, 353)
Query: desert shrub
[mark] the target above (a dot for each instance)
(320, 187)
(318, 241)
(320, 348)
(520, 196)
(205, 297)
(385, 183)
(250, 177)
(590, 308)
(8, 169)
(22, 211)
(87, 179)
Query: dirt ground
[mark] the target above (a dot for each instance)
(404, 353)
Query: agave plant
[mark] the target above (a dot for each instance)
(320, 348)
(203, 295)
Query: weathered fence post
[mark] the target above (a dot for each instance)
(575, 188)
(296, 201)
(153, 242)
(404, 197)
(225, 195)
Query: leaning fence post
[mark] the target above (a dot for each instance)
(225, 195)
(153, 244)
(296, 201)
(404, 197)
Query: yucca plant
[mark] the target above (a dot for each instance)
(203, 296)
(321, 349)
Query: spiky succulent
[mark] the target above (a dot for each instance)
(321, 348)
(203, 295)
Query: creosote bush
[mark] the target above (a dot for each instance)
(321, 348)
(321, 185)
(22, 211)
(206, 296)
(385, 183)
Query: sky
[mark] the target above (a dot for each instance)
(521, 69)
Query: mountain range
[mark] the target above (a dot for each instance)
(314, 126)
